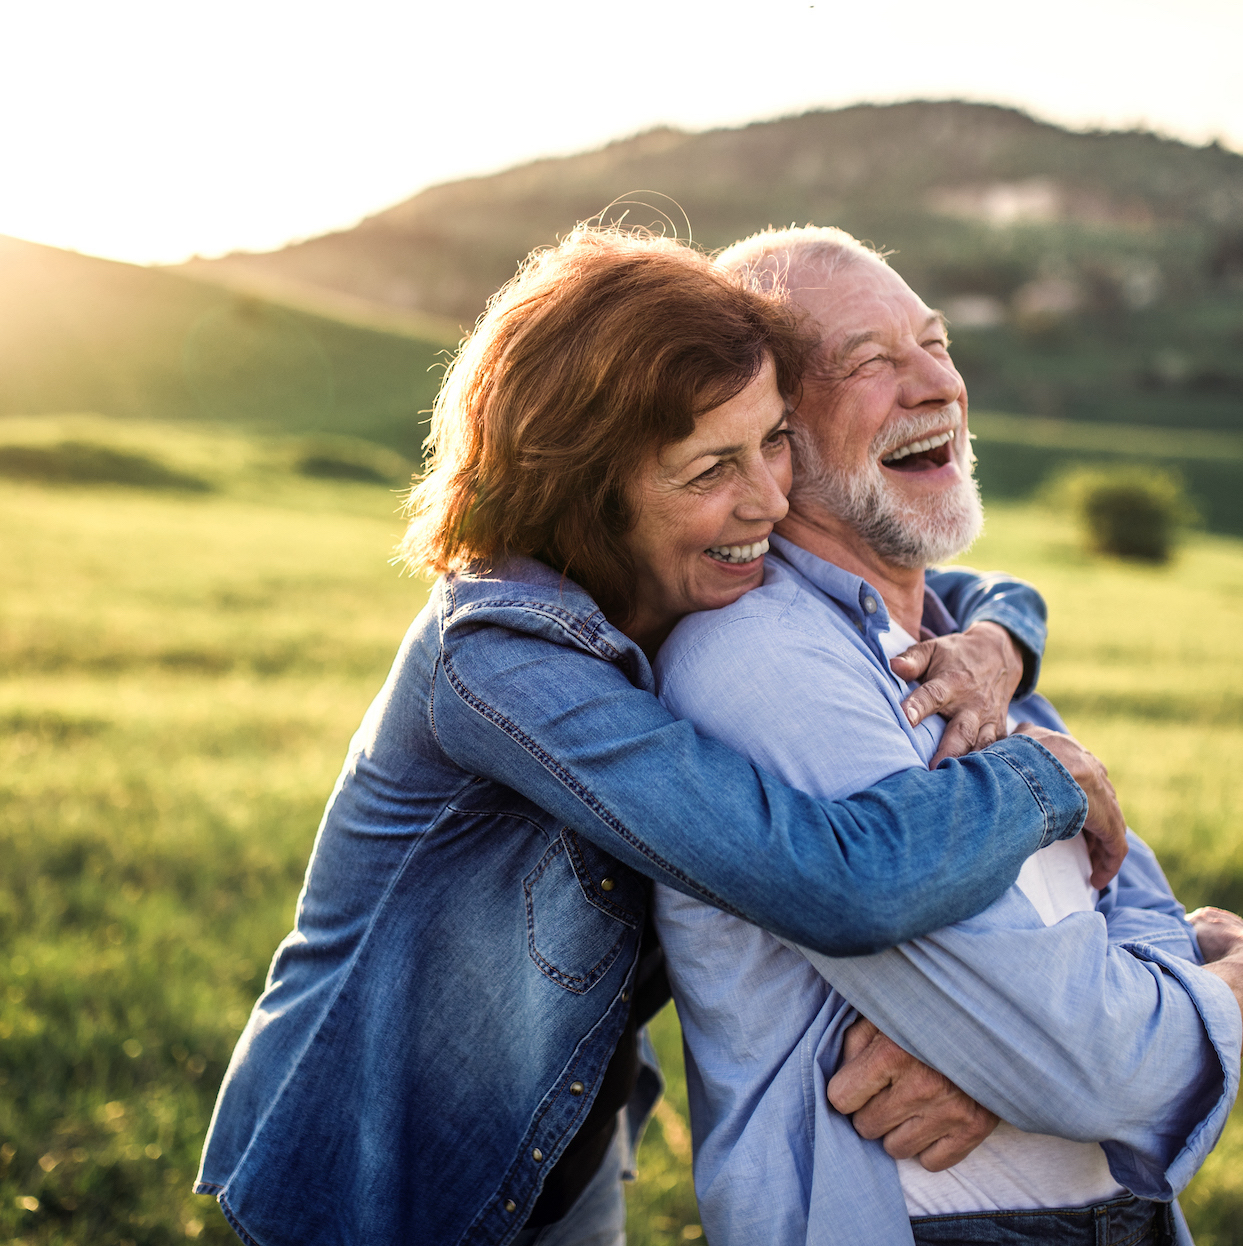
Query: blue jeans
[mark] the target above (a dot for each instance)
(598, 1216)
(1122, 1222)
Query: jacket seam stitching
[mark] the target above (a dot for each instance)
(583, 794)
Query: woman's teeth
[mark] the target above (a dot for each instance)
(918, 447)
(738, 553)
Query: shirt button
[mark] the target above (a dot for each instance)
(576, 1088)
(607, 884)
(510, 1205)
(869, 604)
(537, 1155)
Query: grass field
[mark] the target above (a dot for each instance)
(181, 672)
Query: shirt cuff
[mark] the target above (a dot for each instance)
(1061, 799)
(1219, 1012)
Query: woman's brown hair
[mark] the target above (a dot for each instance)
(600, 351)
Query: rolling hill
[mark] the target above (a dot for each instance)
(85, 334)
(1088, 276)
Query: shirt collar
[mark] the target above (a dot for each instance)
(852, 594)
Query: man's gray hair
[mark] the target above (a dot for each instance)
(765, 260)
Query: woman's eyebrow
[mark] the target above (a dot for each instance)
(725, 451)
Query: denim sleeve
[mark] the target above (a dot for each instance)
(570, 732)
(1061, 1031)
(979, 597)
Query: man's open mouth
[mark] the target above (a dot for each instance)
(921, 455)
(738, 553)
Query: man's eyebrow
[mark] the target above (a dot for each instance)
(937, 317)
(843, 349)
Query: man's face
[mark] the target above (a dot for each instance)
(882, 441)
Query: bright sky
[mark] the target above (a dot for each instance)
(148, 130)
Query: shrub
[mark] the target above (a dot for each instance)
(84, 462)
(349, 458)
(1129, 512)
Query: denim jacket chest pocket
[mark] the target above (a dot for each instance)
(583, 908)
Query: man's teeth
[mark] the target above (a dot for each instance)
(738, 553)
(918, 447)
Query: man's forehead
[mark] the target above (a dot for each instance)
(859, 303)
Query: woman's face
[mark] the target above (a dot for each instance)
(704, 508)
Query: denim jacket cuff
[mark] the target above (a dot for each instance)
(1060, 798)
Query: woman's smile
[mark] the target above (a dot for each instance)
(704, 508)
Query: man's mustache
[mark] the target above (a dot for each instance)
(912, 427)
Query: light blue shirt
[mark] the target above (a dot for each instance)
(1100, 1028)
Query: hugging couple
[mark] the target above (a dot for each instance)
(689, 708)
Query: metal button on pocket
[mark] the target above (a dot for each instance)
(537, 1155)
(510, 1205)
(607, 884)
(576, 1088)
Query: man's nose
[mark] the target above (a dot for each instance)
(927, 380)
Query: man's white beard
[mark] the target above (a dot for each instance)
(906, 532)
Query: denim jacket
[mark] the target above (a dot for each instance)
(435, 1027)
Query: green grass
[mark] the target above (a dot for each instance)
(181, 672)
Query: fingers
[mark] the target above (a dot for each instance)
(913, 664)
(952, 1148)
(856, 1039)
(1218, 932)
(968, 678)
(928, 698)
(965, 733)
(1106, 854)
(863, 1077)
(1104, 829)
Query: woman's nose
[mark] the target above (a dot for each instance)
(765, 496)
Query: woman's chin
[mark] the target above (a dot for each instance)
(724, 582)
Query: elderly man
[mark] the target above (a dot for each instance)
(1080, 1019)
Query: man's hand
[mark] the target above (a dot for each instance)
(1105, 827)
(969, 677)
(916, 1110)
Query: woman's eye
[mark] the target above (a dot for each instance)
(706, 478)
(781, 437)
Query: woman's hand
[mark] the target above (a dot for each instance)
(1220, 936)
(969, 677)
(1219, 933)
(916, 1110)
(1104, 829)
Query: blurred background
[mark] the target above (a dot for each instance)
(239, 242)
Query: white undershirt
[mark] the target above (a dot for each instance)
(1011, 1170)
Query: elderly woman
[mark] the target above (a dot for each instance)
(452, 1031)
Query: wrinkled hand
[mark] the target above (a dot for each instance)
(916, 1110)
(1219, 933)
(1105, 828)
(1220, 936)
(969, 677)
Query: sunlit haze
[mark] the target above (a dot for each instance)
(149, 131)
